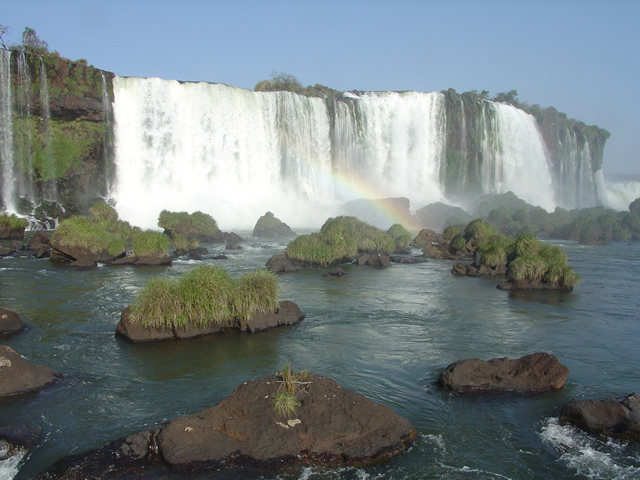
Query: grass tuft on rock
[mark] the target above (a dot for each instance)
(196, 224)
(150, 243)
(203, 297)
(13, 222)
(340, 239)
(400, 235)
(101, 211)
(96, 237)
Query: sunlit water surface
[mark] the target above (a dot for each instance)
(384, 332)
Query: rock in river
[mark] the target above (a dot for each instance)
(330, 425)
(535, 373)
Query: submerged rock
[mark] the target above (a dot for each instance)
(535, 373)
(287, 313)
(18, 375)
(335, 272)
(10, 322)
(461, 268)
(280, 263)
(531, 285)
(329, 425)
(613, 416)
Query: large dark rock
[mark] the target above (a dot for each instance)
(268, 226)
(10, 322)
(411, 260)
(18, 375)
(155, 260)
(280, 263)
(287, 313)
(374, 259)
(535, 373)
(613, 416)
(7, 233)
(461, 268)
(425, 237)
(332, 425)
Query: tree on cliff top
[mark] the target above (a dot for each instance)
(32, 43)
(3, 31)
(279, 82)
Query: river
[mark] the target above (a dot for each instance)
(384, 332)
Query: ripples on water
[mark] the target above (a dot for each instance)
(385, 332)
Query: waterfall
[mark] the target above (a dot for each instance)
(389, 144)
(107, 137)
(24, 146)
(235, 153)
(578, 184)
(223, 150)
(50, 189)
(6, 132)
(519, 163)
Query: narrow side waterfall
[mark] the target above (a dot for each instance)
(519, 163)
(50, 188)
(6, 132)
(24, 142)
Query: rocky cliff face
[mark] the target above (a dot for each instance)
(56, 124)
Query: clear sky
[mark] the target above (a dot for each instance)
(579, 56)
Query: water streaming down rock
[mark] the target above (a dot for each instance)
(24, 144)
(6, 131)
(50, 188)
(107, 136)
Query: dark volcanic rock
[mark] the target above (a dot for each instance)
(332, 425)
(18, 375)
(336, 272)
(10, 322)
(535, 373)
(6, 251)
(268, 226)
(374, 259)
(426, 237)
(280, 263)
(613, 416)
(530, 285)
(287, 313)
(39, 240)
(155, 260)
(408, 259)
(461, 268)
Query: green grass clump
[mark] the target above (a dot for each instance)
(400, 235)
(495, 250)
(339, 239)
(150, 243)
(451, 232)
(196, 224)
(205, 296)
(479, 230)
(102, 212)
(13, 222)
(96, 237)
(284, 401)
(255, 293)
(458, 243)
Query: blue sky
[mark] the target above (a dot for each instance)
(580, 56)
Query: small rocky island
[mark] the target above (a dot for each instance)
(204, 301)
(18, 375)
(265, 424)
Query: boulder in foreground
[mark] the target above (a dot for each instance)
(328, 425)
(613, 416)
(18, 375)
(535, 373)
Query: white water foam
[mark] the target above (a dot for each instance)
(588, 455)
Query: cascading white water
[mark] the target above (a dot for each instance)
(226, 151)
(6, 132)
(235, 154)
(578, 185)
(519, 163)
(25, 177)
(50, 188)
(389, 144)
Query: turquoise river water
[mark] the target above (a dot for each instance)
(384, 332)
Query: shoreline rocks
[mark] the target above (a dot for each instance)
(18, 375)
(331, 425)
(535, 373)
(288, 313)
